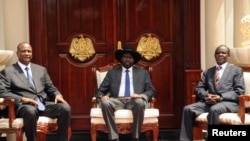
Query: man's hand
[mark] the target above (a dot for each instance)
(59, 98)
(133, 96)
(103, 98)
(29, 101)
(212, 99)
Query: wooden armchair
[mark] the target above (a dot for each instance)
(45, 125)
(242, 117)
(123, 117)
(10, 124)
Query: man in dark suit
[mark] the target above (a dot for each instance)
(141, 91)
(219, 93)
(35, 98)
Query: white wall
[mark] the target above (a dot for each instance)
(14, 25)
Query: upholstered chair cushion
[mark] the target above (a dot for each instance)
(124, 116)
(226, 118)
(100, 76)
(17, 123)
(46, 120)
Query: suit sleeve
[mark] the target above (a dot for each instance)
(50, 88)
(5, 87)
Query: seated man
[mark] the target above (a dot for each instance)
(34, 93)
(219, 90)
(125, 81)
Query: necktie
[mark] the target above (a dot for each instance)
(40, 105)
(29, 77)
(127, 84)
(217, 76)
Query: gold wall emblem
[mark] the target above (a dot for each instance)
(81, 48)
(149, 47)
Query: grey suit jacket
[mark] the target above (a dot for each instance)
(231, 83)
(141, 81)
(14, 83)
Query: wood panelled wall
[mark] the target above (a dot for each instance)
(176, 23)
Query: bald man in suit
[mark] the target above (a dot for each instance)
(15, 84)
(215, 100)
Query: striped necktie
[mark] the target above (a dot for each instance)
(29, 77)
(217, 76)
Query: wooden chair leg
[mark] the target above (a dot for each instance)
(197, 133)
(93, 133)
(148, 135)
(41, 136)
(156, 133)
(69, 133)
(19, 135)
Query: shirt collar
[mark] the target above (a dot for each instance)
(23, 66)
(223, 66)
(124, 69)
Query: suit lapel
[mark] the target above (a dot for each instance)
(225, 74)
(118, 79)
(134, 77)
(33, 70)
(21, 76)
(213, 74)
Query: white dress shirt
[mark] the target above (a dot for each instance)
(122, 85)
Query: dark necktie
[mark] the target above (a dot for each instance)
(217, 76)
(127, 84)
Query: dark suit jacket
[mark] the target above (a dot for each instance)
(14, 83)
(141, 81)
(231, 83)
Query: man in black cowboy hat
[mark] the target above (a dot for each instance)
(140, 92)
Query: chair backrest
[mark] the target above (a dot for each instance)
(102, 71)
(100, 76)
(247, 87)
(247, 82)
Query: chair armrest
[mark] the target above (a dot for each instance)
(152, 103)
(10, 103)
(242, 106)
(194, 98)
(94, 104)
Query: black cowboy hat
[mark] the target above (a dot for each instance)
(128, 49)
